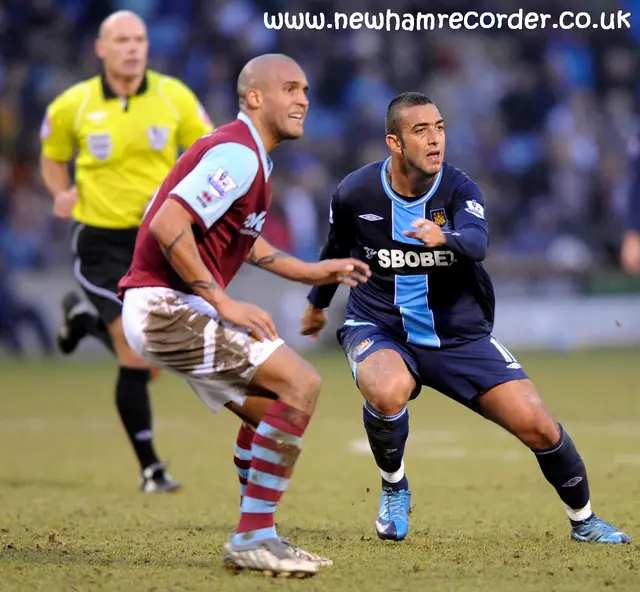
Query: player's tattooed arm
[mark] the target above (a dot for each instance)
(212, 285)
(171, 226)
(265, 260)
(266, 256)
(168, 249)
(168, 253)
(330, 271)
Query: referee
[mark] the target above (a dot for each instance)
(124, 129)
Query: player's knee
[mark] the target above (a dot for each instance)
(390, 395)
(538, 430)
(302, 389)
(388, 405)
(545, 434)
(310, 386)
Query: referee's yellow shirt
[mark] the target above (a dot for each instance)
(124, 147)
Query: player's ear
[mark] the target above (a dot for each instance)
(394, 143)
(99, 49)
(253, 98)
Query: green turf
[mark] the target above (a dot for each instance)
(71, 517)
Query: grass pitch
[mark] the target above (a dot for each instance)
(483, 516)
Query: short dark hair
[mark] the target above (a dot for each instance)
(408, 99)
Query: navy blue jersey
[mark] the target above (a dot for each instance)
(430, 297)
(633, 218)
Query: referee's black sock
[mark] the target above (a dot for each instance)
(132, 400)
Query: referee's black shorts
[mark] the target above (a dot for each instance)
(102, 258)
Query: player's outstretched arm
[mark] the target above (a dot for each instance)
(172, 227)
(348, 271)
(469, 239)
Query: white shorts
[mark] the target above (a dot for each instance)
(183, 333)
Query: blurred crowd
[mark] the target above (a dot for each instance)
(540, 119)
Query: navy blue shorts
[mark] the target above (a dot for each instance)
(461, 372)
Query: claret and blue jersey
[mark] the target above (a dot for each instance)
(429, 297)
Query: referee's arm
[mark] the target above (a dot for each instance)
(194, 121)
(58, 144)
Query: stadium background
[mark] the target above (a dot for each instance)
(541, 119)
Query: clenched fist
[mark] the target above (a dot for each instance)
(427, 232)
(313, 320)
(64, 201)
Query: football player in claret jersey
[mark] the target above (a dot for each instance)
(425, 318)
(204, 223)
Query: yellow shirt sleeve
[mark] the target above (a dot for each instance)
(57, 132)
(194, 121)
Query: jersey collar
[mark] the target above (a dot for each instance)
(267, 163)
(107, 91)
(395, 197)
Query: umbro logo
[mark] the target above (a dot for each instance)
(371, 217)
(514, 366)
(572, 482)
(381, 527)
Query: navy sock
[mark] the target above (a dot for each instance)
(387, 438)
(132, 400)
(563, 467)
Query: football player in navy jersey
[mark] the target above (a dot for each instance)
(426, 315)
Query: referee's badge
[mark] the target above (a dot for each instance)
(45, 128)
(158, 137)
(100, 145)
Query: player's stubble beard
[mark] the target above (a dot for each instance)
(411, 168)
(279, 130)
(284, 135)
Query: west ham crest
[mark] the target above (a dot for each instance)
(439, 217)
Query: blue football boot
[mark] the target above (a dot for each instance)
(393, 514)
(594, 530)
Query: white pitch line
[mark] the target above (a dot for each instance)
(63, 423)
(615, 428)
(627, 459)
(445, 452)
(360, 446)
(434, 436)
